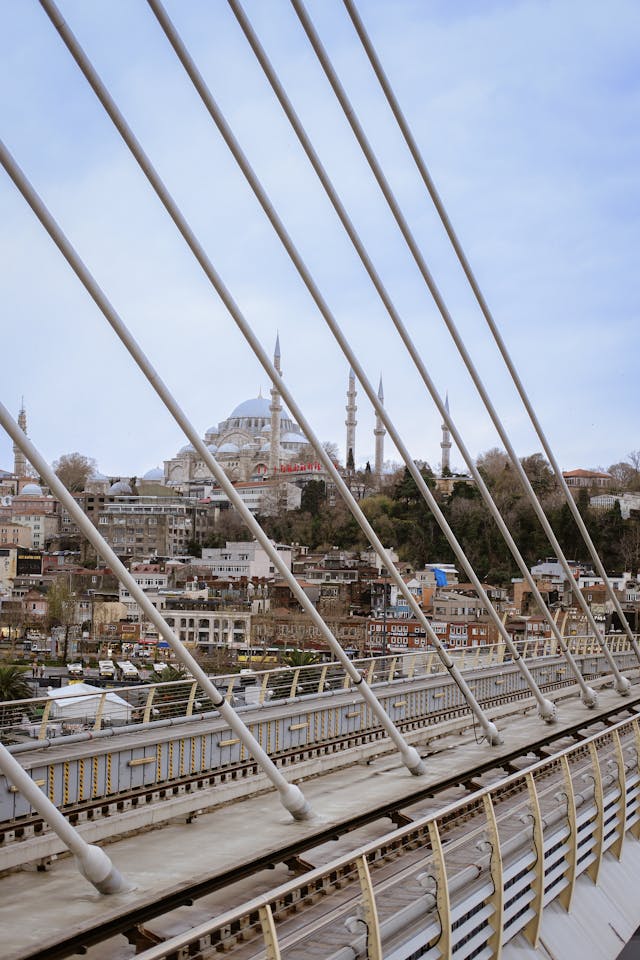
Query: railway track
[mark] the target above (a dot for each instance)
(337, 886)
(27, 826)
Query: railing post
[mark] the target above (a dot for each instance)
(271, 945)
(532, 929)
(374, 951)
(192, 699)
(294, 682)
(412, 666)
(323, 678)
(42, 732)
(598, 795)
(570, 874)
(635, 829)
(622, 800)
(392, 668)
(147, 710)
(97, 724)
(500, 652)
(443, 903)
(496, 900)
(263, 687)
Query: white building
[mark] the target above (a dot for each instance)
(261, 496)
(240, 559)
(626, 501)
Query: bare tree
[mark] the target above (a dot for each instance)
(74, 469)
(331, 449)
(61, 610)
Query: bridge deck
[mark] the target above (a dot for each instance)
(38, 910)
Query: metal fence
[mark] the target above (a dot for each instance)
(463, 882)
(47, 717)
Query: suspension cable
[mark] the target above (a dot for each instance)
(622, 684)
(589, 696)
(484, 307)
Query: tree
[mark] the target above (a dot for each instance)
(194, 548)
(314, 495)
(13, 683)
(331, 449)
(300, 658)
(539, 473)
(74, 469)
(13, 686)
(350, 461)
(61, 610)
(626, 474)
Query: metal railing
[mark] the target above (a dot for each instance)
(468, 879)
(46, 717)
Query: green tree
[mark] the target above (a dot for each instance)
(13, 683)
(13, 686)
(313, 497)
(300, 658)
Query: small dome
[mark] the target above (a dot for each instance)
(97, 477)
(212, 431)
(31, 490)
(155, 474)
(293, 438)
(120, 489)
(188, 448)
(229, 448)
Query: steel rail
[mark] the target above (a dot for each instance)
(438, 203)
(324, 834)
(411, 758)
(546, 708)
(588, 695)
(350, 114)
(286, 757)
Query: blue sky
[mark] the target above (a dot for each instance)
(528, 117)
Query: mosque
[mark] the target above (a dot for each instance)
(259, 438)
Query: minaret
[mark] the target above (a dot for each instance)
(351, 421)
(19, 459)
(379, 434)
(446, 442)
(276, 412)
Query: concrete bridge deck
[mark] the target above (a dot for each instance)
(39, 910)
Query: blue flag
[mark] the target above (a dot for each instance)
(441, 577)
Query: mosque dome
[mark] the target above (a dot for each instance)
(255, 407)
(229, 448)
(31, 490)
(211, 447)
(298, 438)
(188, 448)
(97, 477)
(155, 475)
(120, 489)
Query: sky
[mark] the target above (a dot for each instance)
(528, 116)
